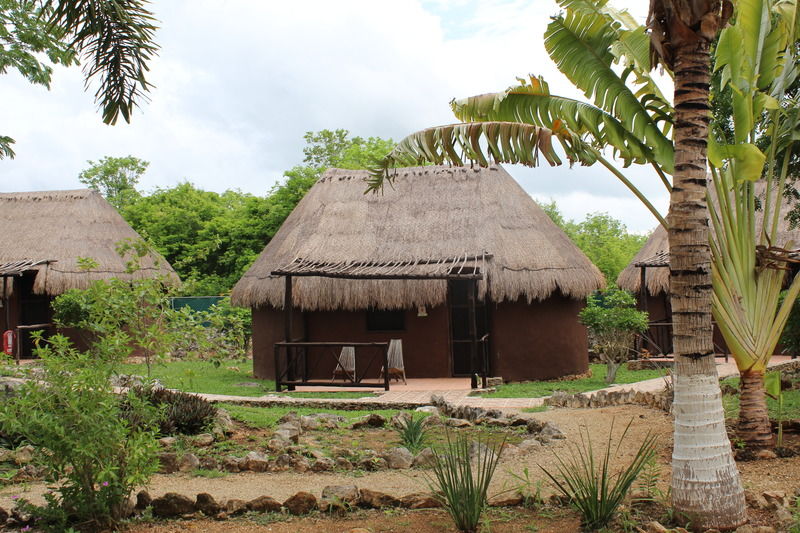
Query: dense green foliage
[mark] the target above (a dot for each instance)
(790, 339)
(94, 456)
(211, 238)
(413, 433)
(604, 239)
(182, 413)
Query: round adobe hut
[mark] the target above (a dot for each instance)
(534, 280)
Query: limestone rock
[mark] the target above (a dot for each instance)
(203, 440)
(301, 503)
(755, 529)
(188, 463)
(324, 464)
(301, 464)
(143, 501)
(372, 420)
(420, 500)
(398, 458)
(293, 430)
(232, 464)
(655, 527)
(507, 500)
(286, 437)
(208, 462)
(766, 454)
(433, 411)
(309, 423)
(339, 498)
(433, 420)
(278, 445)
(264, 504)
(235, 506)
(755, 501)
(457, 423)
(206, 504)
(372, 464)
(284, 461)
(400, 420)
(167, 442)
(256, 462)
(223, 424)
(372, 499)
(343, 463)
(168, 462)
(3, 515)
(24, 454)
(291, 416)
(775, 498)
(534, 426)
(6, 456)
(424, 458)
(171, 505)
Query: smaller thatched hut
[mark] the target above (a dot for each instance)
(532, 280)
(651, 264)
(44, 236)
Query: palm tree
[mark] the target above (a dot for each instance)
(634, 119)
(113, 38)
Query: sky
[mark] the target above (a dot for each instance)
(238, 83)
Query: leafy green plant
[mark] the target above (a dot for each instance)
(460, 479)
(93, 455)
(413, 433)
(530, 490)
(613, 321)
(589, 483)
(183, 413)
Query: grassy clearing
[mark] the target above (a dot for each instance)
(267, 417)
(537, 389)
(231, 377)
(791, 403)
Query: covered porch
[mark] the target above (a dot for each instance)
(302, 361)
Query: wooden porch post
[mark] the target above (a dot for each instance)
(287, 330)
(473, 334)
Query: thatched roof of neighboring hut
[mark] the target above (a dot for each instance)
(656, 251)
(63, 226)
(430, 213)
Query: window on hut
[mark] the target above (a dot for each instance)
(384, 320)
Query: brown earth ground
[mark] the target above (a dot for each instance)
(777, 474)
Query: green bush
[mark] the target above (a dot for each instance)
(613, 321)
(93, 456)
(790, 338)
(461, 479)
(181, 413)
(590, 485)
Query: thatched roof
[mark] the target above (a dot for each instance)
(430, 213)
(63, 226)
(656, 249)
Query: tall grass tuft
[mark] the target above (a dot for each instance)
(413, 433)
(590, 484)
(461, 479)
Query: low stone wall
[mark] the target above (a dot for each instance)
(657, 400)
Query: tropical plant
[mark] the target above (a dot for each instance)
(772, 384)
(605, 53)
(182, 413)
(94, 456)
(590, 483)
(756, 56)
(114, 40)
(413, 433)
(613, 321)
(462, 472)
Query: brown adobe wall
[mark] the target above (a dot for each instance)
(541, 340)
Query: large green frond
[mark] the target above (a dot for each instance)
(482, 144)
(583, 45)
(532, 103)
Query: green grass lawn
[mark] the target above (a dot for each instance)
(266, 417)
(791, 403)
(537, 389)
(231, 377)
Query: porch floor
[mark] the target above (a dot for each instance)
(413, 385)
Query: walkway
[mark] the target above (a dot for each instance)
(455, 390)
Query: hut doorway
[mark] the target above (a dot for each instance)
(460, 333)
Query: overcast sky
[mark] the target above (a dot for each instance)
(238, 83)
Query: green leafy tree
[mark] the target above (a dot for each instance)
(113, 39)
(115, 178)
(613, 321)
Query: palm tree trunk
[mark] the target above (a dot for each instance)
(754, 427)
(706, 487)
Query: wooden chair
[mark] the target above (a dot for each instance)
(397, 369)
(346, 367)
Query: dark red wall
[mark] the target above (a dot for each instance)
(541, 340)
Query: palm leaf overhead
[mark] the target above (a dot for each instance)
(580, 43)
(532, 103)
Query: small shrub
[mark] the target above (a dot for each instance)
(461, 482)
(182, 413)
(590, 485)
(413, 433)
(92, 454)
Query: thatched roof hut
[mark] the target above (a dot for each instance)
(430, 212)
(533, 278)
(62, 227)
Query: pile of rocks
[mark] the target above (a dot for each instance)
(602, 398)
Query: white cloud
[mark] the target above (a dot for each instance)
(238, 83)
